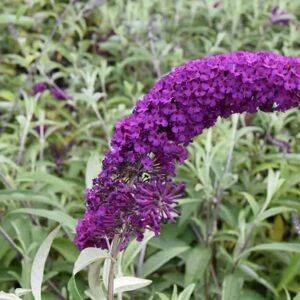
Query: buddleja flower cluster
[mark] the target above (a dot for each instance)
(135, 191)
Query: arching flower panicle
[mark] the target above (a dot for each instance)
(134, 191)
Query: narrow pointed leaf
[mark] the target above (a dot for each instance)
(127, 283)
(89, 256)
(134, 249)
(160, 258)
(231, 288)
(38, 265)
(187, 292)
(57, 216)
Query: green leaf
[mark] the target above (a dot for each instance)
(6, 160)
(246, 130)
(290, 272)
(22, 292)
(162, 296)
(6, 296)
(94, 280)
(252, 274)
(251, 295)
(127, 283)
(288, 247)
(273, 211)
(24, 195)
(187, 292)
(278, 229)
(105, 272)
(39, 262)
(89, 256)
(66, 248)
(93, 168)
(6, 19)
(297, 297)
(54, 215)
(174, 294)
(72, 288)
(54, 181)
(253, 203)
(167, 243)
(287, 294)
(273, 184)
(197, 262)
(159, 259)
(231, 288)
(134, 249)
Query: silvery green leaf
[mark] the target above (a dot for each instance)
(297, 297)
(160, 258)
(273, 184)
(21, 292)
(253, 203)
(38, 265)
(127, 283)
(93, 168)
(134, 249)
(288, 247)
(94, 279)
(89, 256)
(105, 272)
(72, 288)
(272, 212)
(55, 215)
(187, 292)
(162, 296)
(174, 293)
(197, 261)
(6, 296)
(252, 274)
(231, 288)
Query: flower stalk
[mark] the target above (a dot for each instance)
(111, 276)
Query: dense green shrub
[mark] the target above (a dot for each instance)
(104, 56)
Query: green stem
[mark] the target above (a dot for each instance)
(111, 276)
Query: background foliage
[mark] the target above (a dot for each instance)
(238, 236)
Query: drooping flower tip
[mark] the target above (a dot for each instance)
(126, 210)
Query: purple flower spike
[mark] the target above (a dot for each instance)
(59, 94)
(39, 87)
(279, 16)
(135, 192)
(216, 4)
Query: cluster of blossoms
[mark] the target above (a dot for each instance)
(134, 191)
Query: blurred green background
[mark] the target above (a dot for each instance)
(92, 60)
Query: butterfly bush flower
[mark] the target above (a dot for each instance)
(59, 93)
(279, 16)
(56, 92)
(39, 87)
(135, 191)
